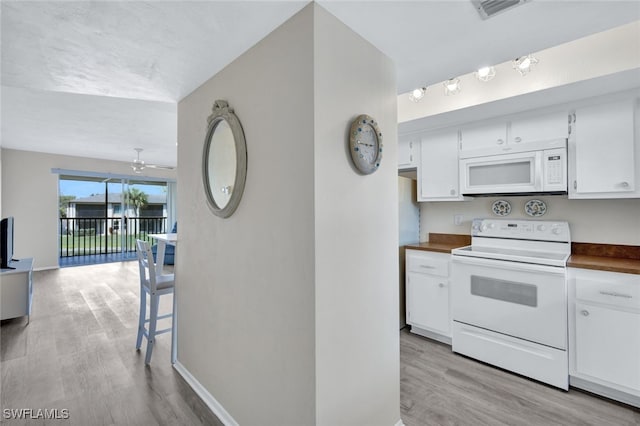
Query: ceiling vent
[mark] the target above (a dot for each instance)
(489, 8)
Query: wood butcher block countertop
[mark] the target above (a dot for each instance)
(442, 243)
(602, 257)
(605, 257)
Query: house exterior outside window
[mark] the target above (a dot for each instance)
(152, 216)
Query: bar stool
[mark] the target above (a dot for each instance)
(155, 286)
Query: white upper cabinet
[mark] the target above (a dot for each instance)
(604, 161)
(483, 136)
(513, 134)
(438, 177)
(408, 151)
(540, 128)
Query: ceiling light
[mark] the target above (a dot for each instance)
(524, 64)
(485, 73)
(451, 86)
(416, 95)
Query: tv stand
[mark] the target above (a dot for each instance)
(16, 289)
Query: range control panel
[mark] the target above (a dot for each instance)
(537, 230)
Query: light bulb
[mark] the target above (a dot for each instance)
(485, 73)
(524, 64)
(451, 86)
(417, 94)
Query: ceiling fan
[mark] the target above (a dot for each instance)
(139, 165)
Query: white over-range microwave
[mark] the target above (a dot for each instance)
(534, 168)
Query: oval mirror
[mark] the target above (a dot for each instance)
(224, 167)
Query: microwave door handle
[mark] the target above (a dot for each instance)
(539, 171)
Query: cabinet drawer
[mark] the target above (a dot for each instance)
(616, 289)
(432, 263)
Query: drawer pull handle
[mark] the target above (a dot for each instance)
(427, 267)
(584, 312)
(615, 294)
(441, 285)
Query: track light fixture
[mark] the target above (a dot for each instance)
(524, 64)
(416, 95)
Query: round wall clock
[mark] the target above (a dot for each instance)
(365, 144)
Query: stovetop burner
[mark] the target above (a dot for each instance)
(527, 241)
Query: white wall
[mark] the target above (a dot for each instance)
(356, 230)
(245, 285)
(288, 309)
(30, 194)
(592, 221)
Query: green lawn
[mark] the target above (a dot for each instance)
(96, 243)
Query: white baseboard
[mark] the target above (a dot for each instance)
(215, 407)
(45, 268)
(431, 335)
(606, 391)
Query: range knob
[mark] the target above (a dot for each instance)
(542, 228)
(484, 227)
(556, 230)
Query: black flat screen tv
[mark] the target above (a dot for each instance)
(6, 242)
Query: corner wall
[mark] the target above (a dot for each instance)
(356, 229)
(30, 194)
(288, 310)
(245, 284)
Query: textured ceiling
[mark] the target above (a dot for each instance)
(98, 78)
(155, 50)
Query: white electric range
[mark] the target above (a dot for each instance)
(509, 297)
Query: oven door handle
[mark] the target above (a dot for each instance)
(511, 266)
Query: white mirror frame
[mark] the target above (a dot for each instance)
(222, 111)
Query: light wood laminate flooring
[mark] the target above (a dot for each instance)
(438, 387)
(78, 353)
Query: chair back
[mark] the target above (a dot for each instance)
(146, 265)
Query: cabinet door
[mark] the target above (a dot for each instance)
(539, 128)
(438, 178)
(604, 152)
(608, 344)
(404, 152)
(483, 136)
(428, 303)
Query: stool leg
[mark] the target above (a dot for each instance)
(143, 315)
(153, 321)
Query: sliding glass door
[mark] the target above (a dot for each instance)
(100, 217)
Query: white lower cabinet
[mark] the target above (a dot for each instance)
(428, 294)
(604, 331)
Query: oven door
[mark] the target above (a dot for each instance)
(521, 300)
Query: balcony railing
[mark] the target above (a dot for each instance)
(106, 235)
